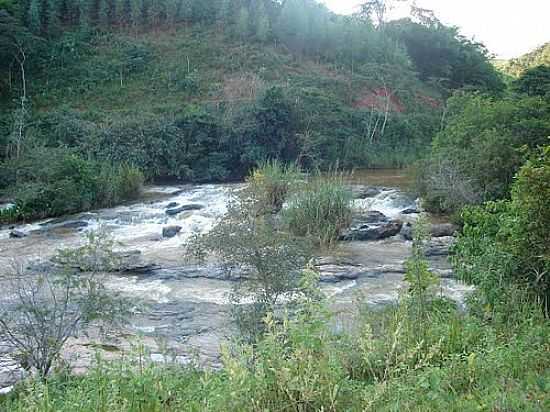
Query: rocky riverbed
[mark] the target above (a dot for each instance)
(184, 307)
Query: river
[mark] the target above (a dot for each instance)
(184, 308)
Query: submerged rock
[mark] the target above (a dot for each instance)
(409, 211)
(172, 205)
(59, 224)
(191, 206)
(17, 234)
(371, 226)
(170, 231)
(363, 192)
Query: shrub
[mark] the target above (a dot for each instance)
(267, 264)
(42, 310)
(55, 181)
(506, 242)
(320, 210)
(480, 148)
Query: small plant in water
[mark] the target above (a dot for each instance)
(321, 210)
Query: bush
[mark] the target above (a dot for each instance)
(266, 263)
(56, 181)
(506, 242)
(481, 148)
(320, 210)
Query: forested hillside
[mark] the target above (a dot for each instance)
(203, 90)
(538, 57)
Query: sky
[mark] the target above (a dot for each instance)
(509, 28)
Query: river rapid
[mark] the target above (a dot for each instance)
(183, 308)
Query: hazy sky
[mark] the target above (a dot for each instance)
(508, 28)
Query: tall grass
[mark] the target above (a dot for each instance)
(321, 210)
(271, 182)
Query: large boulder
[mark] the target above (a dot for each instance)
(118, 261)
(183, 208)
(371, 226)
(443, 229)
(170, 231)
(336, 269)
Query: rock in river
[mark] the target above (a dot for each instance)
(363, 192)
(371, 226)
(17, 234)
(176, 210)
(170, 231)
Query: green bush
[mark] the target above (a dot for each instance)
(507, 242)
(320, 210)
(56, 181)
(476, 155)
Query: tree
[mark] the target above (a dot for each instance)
(44, 309)
(16, 45)
(376, 10)
(261, 22)
(266, 263)
(534, 81)
(243, 23)
(35, 13)
(275, 137)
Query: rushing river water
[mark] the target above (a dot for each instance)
(187, 306)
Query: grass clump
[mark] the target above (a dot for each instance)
(320, 210)
(271, 183)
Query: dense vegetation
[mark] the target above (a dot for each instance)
(484, 141)
(203, 91)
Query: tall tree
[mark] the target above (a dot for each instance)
(261, 22)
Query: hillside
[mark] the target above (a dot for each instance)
(206, 90)
(515, 67)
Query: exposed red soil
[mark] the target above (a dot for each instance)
(379, 99)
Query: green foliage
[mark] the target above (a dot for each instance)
(538, 57)
(271, 183)
(43, 310)
(417, 273)
(451, 361)
(320, 210)
(268, 264)
(481, 148)
(506, 242)
(51, 182)
(440, 53)
(534, 81)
